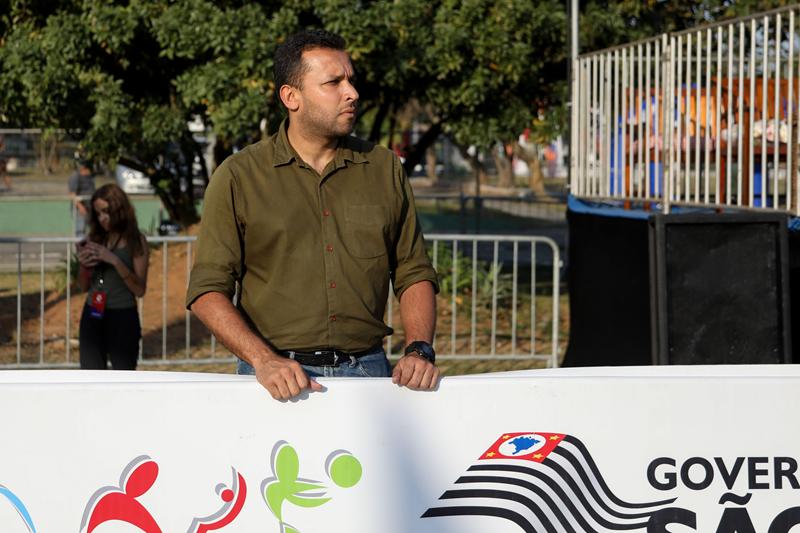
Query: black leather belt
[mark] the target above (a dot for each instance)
(325, 357)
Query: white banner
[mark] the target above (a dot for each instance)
(651, 449)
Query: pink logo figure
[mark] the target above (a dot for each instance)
(233, 499)
(119, 503)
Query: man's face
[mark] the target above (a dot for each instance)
(327, 100)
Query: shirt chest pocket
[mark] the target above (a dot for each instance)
(367, 229)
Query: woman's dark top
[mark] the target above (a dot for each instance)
(118, 295)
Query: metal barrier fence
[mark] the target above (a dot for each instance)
(500, 298)
(707, 116)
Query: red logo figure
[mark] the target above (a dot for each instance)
(234, 501)
(119, 503)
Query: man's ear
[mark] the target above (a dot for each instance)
(290, 97)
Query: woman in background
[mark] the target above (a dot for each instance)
(113, 268)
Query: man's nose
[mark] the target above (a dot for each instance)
(350, 92)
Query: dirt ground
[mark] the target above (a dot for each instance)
(162, 299)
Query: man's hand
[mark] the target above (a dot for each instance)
(415, 372)
(283, 378)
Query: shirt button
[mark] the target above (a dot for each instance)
(333, 318)
(326, 213)
(333, 285)
(329, 248)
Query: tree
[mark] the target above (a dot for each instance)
(482, 69)
(127, 77)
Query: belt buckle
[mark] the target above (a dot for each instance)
(323, 353)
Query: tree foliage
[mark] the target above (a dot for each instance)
(127, 76)
(607, 23)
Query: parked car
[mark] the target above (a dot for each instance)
(134, 181)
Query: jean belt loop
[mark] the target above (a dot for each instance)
(353, 361)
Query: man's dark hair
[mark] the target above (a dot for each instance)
(288, 67)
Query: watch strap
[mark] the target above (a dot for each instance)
(423, 349)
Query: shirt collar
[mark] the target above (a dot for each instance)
(346, 151)
(284, 153)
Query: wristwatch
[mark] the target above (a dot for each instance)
(424, 349)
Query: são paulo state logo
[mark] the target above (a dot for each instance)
(543, 482)
(518, 446)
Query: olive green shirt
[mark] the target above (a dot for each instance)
(314, 254)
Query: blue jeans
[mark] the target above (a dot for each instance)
(373, 365)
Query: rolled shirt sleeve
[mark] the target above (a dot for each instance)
(218, 263)
(412, 264)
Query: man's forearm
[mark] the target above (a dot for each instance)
(418, 312)
(219, 315)
(282, 377)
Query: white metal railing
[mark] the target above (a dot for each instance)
(502, 297)
(707, 116)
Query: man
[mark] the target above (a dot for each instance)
(81, 186)
(313, 224)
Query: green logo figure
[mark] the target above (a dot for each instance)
(342, 468)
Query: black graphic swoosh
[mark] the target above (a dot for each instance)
(570, 481)
(596, 472)
(481, 511)
(566, 500)
(533, 488)
(598, 501)
(503, 495)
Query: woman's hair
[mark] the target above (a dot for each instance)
(122, 215)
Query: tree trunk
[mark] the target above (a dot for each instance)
(166, 177)
(52, 156)
(505, 169)
(43, 163)
(179, 206)
(222, 149)
(530, 154)
(478, 169)
(392, 127)
(536, 179)
(430, 165)
(417, 152)
(377, 124)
